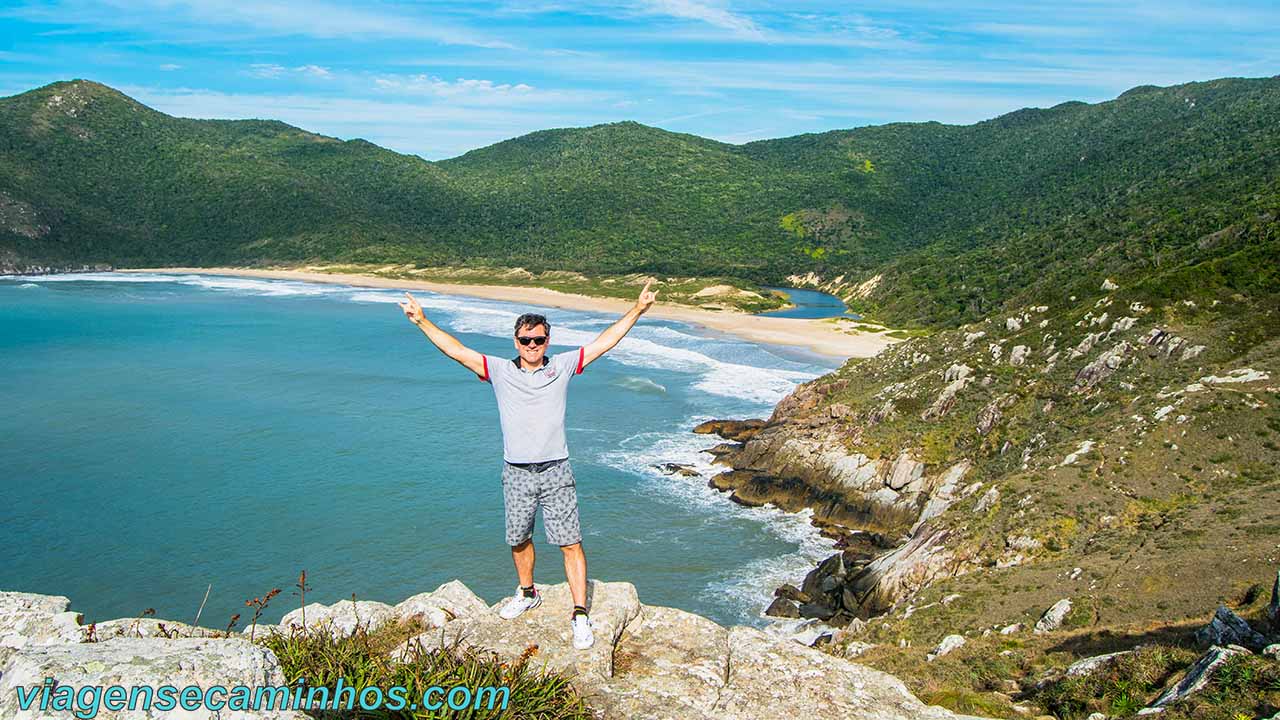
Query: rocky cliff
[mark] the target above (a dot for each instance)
(1113, 456)
(1107, 432)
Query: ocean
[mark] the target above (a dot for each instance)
(164, 433)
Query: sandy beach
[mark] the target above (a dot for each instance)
(820, 336)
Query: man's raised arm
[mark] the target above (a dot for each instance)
(448, 344)
(615, 332)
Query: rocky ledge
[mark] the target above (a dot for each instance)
(648, 661)
(877, 510)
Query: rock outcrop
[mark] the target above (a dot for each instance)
(129, 662)
(651, 661)
(796, 466)
(1228, 628)
(647, 661)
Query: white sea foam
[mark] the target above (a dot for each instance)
(211, 282)
(765, 385)
(746, 589)
(107, 277)
(656, 347)
(28, 285)
(273, 288)
(640, 384)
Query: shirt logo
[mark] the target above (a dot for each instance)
(551, 373)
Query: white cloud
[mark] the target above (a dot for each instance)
(267, 71)
(432, 85)
(315, 71)
(275, 71)
(167, 67)
(709, 13)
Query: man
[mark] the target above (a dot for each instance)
(531, 390)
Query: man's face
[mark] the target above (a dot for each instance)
(532, 352)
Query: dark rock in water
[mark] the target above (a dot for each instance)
(735, 482)
(735, 430)
(1228, 628)
(791, 592)
(722, 450)
(677, 469)
(818, 609)
(783, 608)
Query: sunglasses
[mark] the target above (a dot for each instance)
(535, 339)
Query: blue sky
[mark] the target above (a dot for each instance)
(439, 78)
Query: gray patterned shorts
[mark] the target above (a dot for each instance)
(554, 490)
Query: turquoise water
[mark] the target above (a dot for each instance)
(811, 304)
(163, 433)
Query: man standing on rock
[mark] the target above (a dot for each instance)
(531, 389)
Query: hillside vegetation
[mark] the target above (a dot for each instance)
(952, 222)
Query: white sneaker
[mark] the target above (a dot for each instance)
(520, 603)
(583, 638)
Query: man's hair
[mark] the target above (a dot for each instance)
(531, 320)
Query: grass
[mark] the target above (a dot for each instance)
(1118, 689)
(370, 660)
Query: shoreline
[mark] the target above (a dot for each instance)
(819, 336)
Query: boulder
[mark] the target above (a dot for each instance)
(340, 619)
(790, 592)
(949, 643)
(1053, 617)
(680, 469)
(988, 416)
(782, 608)
(946, 399)
(450, 601)
(27, 619)
(1089, 664)
(1018, 356)
(1228, 628)
(902, 571)
(146, 628)
(1196, 677)
(1089, 376)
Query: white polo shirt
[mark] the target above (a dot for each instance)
(531, 404)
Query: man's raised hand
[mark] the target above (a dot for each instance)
(646, 297)
(412, 309)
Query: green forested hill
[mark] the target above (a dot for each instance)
(956, 220)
